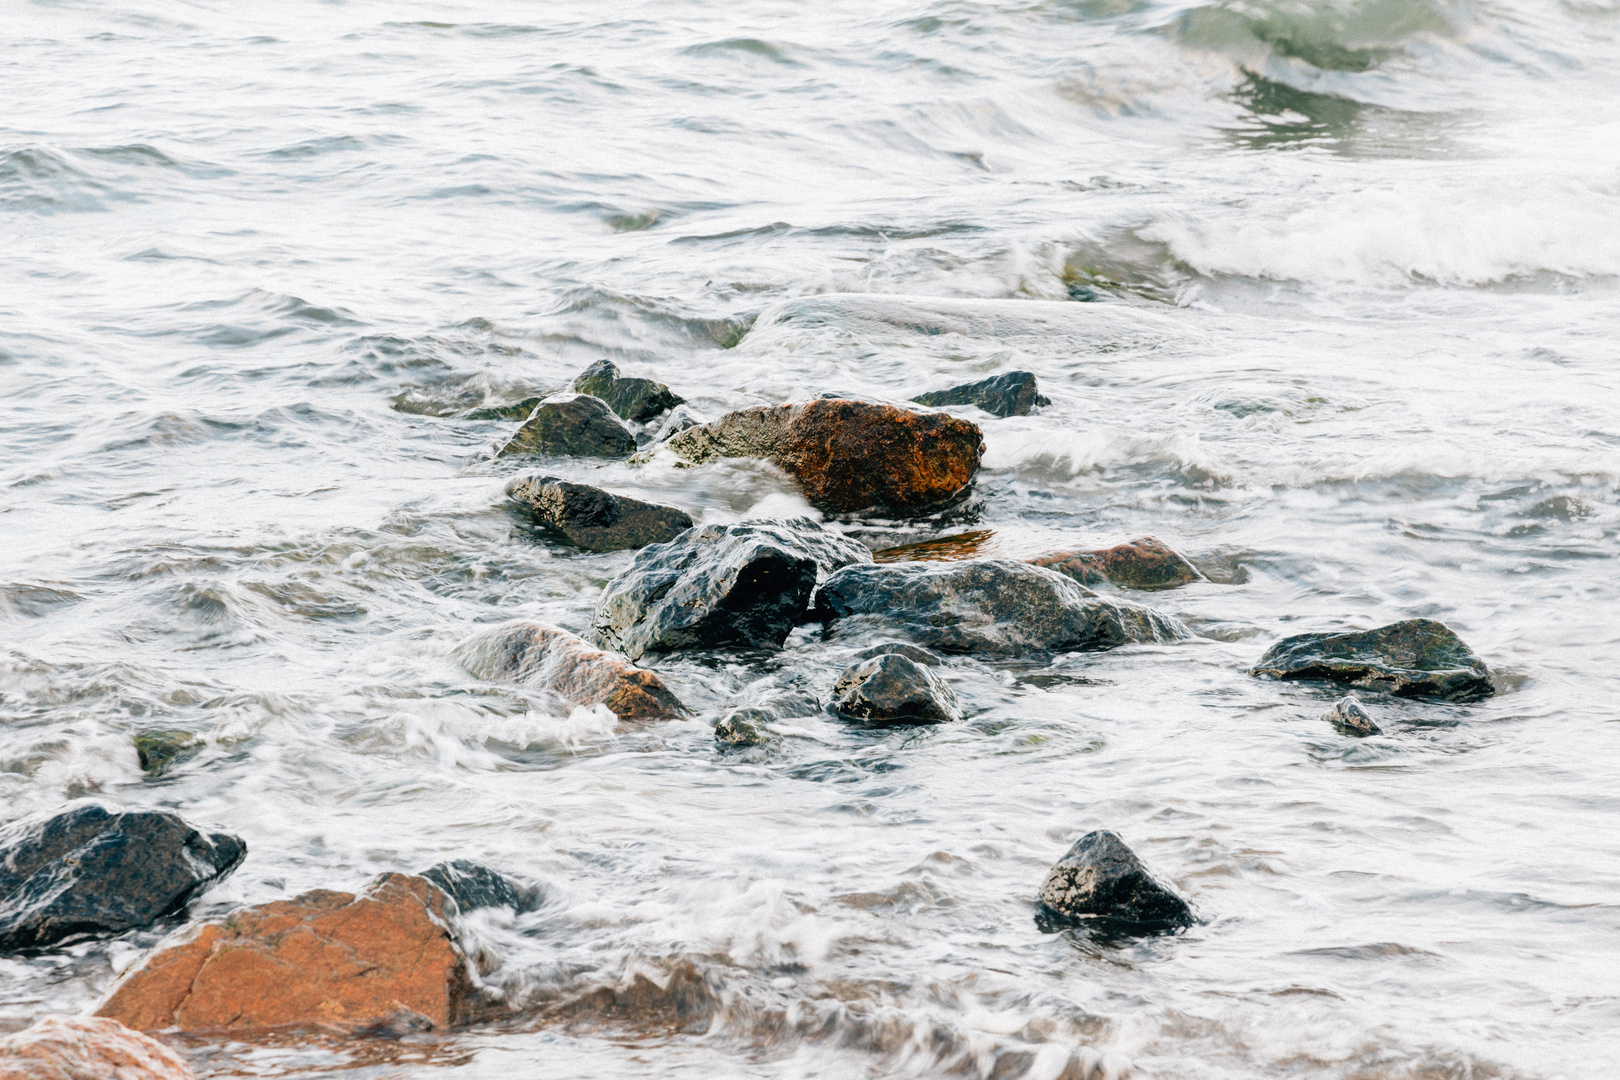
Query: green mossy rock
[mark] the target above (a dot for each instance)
(632, 398)
(572, 425)
(159, 750)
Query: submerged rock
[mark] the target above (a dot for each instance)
(894, 689)
(575, 425)
(991, 606)
(679, 419)
(915, 653)
(743, 727)
(93, 869)
(1352, 718)
(746, 584)
(518, 410)
(570, 667)
(1101, 879)
(632, 398)
(87, 1048)
(1148, 563)
(385, 960)
(158, 750)
(1012, 394)
(472, 885)
(1415, 658)
(850, 455)
(596, 520)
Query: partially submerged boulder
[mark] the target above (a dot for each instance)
(1352, 718)
(632, 398)
(92, 869)
(679, 419)
(594, 519)
(87, 1048)
(743, 727)
(518, 410)
(570, 667)
(472, 885)
(993, 606)
(383, 960)
(1012, 394)
(849, 455)
(158, 751)
(1100, 882)
(572, 425)
(894, 689)
(1147, 563)
(1414, 658)
(746, 584)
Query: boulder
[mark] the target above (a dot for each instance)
(894, 689)
(1148, 563)
(967, 545)
(385, 960)
(93, 869)
(743, 727)
(679, 419)
(157, 751)
(850, 455)
(993, 606)
(87, 1048)
(746, 584)
(1352, 718)
(1415, 658)
(472, 885)
(631, 398)
(572, 425)
(1012, 394)
(593, 519)
(1101, 882)
(570, 667)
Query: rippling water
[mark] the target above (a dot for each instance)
(1324, 294)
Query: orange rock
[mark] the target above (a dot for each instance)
(569, 666)
(1148, 563)
(385, 959)
(85, 1048)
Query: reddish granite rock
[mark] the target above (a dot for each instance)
(1148, 563)
(383, 960)
(850, 455)
(86, 1048)
(570, 667)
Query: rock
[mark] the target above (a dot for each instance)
(893, 689)
(746, 584)
(1099, 878)
(575, 425)
(158, 750)
(915, 653)
(472, 885)
(570, 667)
(991, 606)
(679, 419)
(93, 869)
(596, 520)
(850, 455)
(520, 410)
(633, 399)
(385, 960)
(1148, 563)
(1012, 394)
(1352, 718)
(87, 1048)
(1415, 658)
(743, 727)
(968, 545)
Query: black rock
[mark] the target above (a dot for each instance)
(1012, 394)
(158, 750)
(520, 410)
(1352, 718)
(893, 689)
(576, 425)
(594, 519)
(900, 648)
(1100, 882)
(743, 727)
(1415, 658)
(472, 885)
(92, 869)
(992, 606)
(632, 398)
(747, 584)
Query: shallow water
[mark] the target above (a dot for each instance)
(1324, 296)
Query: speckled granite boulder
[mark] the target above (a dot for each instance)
(1415, 658)
(632, 398)
(1148, 563)
(1101, 881)
(572, 425)
(570, 667)
(594, 519)
(1012, 394)
(893, 689)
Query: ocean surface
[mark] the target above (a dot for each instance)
(1325, 295)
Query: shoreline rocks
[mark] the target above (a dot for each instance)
(572, 425)
(1414, 658)
(891, 688)
(1145, 563)
(472, 885)
(570, 667)
(594, 519)
(1012, 394)
(632, 398)
(87, 1048)
(1101, 882)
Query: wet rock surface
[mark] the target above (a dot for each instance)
(594, 519)
(745, 584)
(915, 653)
(92, 869)
(159, 751)
(1414, 658)
(1101, 883)
(472, 885)
(572, 425)
(631, 397)
(848, 455)
(1012, 394)
(1352, 718)
(383, 960)
(87, 1048)
(894, 689)
(572, 668)
(680, 418)
(518, 410)
(747, 726)
(1148, 563)
(993, 606)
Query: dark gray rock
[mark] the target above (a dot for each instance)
(747, 584)
(574, 425)
(1012, 394)
(893, 689)
(631, 398)
(472, 885)
(1415, 658)
(994, 606)
(596, 520)
(1100, 882)
(91, 869)
(1352, 718)
(743, 727)
(915, 653)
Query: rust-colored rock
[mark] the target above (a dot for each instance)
(383, 960)
(570, 667)
(1148, 563)
(850, 455)
(87, 1048)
